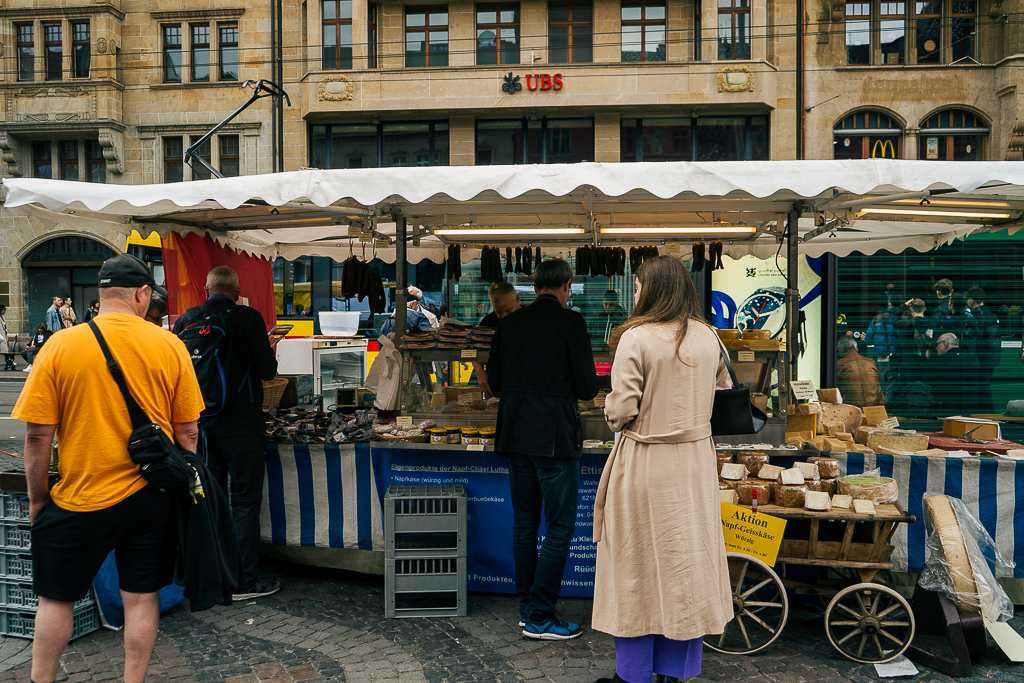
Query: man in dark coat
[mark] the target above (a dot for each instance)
(988, 346)
(541, 363)
(954, 376)
(234, 438)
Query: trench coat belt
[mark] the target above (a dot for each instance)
(698, 433)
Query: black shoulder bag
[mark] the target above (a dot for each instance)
(159, 459)
(732, 412)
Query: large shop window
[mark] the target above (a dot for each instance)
(867, 135)
(570, 32)
(497, 34)
(525, 141)
(919, 376)
(337, 32)
(379, 145)
(953, 135)
(426, 35)
(643, 31)
(922, 32)
(705, 138)
(734, 29)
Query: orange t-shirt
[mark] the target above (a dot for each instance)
(70, 386)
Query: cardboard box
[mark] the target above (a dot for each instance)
(957, 426)
(761, 401)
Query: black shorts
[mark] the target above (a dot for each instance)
(68, 547)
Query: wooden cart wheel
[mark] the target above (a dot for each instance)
(759, 604)
(869, 623)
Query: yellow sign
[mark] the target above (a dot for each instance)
(875, 414)
(758, 535)
(881, 146)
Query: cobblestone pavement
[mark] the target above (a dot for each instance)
(328, 625)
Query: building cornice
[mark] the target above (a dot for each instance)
(190, 15)
(16, 13)
(247, 129)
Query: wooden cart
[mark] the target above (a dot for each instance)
(867, 622)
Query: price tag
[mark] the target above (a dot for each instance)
(381, 243)
(404, 421)
(803, 390)
(469, 353)
(891, 423)
(366, 237)
(475, 447)
(672, 248)
(355, 231)
(746, 357)
(875, 415)
(468, 397)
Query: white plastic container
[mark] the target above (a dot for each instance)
(339, 323)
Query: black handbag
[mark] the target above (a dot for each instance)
(732, 411)
(159, 459)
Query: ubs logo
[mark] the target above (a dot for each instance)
(533, 82)
(511, 84)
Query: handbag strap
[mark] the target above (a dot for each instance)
(725, 357)
(135, 411)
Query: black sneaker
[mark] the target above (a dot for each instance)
(552, 630)
(260, 589)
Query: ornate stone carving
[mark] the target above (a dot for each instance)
(112, 142)
(735, 78)
(994, 7)
(35, 105)
(101, 46)
(9, 154)
(1, 49)
(334, 88)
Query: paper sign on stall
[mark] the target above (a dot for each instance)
(404, 420)
(875, 414)
(891, 423)
(758, 535)
(803, 390)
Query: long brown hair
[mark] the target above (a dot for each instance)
(667, 295)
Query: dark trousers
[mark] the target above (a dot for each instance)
(29, 354)
(244, 458)
(550, 485)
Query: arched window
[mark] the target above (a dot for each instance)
(867, 135)
(954, 135)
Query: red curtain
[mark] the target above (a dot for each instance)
(187, 260)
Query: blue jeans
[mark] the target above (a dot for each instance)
(551, 485)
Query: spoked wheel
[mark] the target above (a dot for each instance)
(869, 623)
(759, 607)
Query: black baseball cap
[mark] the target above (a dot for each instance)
(125, 270)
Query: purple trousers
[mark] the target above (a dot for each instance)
(637, 659)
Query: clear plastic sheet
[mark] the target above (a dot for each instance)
(874, 478)
(970, 581)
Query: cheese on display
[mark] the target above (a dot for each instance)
(863, 507)
(727, 496)
(723, 460)
(815, 500)
(734, 471)
(830, 486)
(769, 472)
(752, 461)
(726, 483)
(790, 477)
(878, 490)
(808, 469)
(789, 496)
(828, 468)
(745, 491)
(841, 501)
(898, 442)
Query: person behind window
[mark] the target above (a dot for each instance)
(943, 290)
(504, 301)
(415, 319)
(988, 345)
(885, 340)
(857, 376)
(92, 311)
(953, 376)
(609, 317)
(960, 323)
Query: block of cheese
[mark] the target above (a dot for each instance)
(863, 507)
(830, 396)
(828, 468)
(850, 416)
(892, 451)
(727, 483)
(814, 485)
(834, 429)
(808, 469)
(815, 500)
(833, 446)
(791, 409)
(751, 460)
(745, 491)
(844, 436)
(864, 449)
(898, 442)
(941, 517)
(733, 471)
(791, 477)
(727, 496)
(802, 423)
(876, 489)
(933, 453)
(830, 486)
(789, 496)
(793, 440)
(841, 501)
(808, 409)
(723, 459)
(769, 472)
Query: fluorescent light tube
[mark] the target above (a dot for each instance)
(924, 212)
(710, 230)
(451, 232)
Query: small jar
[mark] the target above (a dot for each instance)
(487, 436)
(438, 436)
(470, 436)
(454, 434)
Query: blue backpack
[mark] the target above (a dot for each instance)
(205, 339)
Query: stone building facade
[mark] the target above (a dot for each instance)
(115, 91)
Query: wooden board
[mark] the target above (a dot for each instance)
(830, 550)
(883, 513)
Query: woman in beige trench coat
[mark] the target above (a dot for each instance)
(662, 581)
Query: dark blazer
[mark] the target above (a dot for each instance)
(541, 363)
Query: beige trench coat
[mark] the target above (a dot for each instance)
(661, 563)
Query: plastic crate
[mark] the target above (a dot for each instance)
(19, 596)
(425, 518)
(13, 506)
(15, 535)
(425, 587)
(22, 623)
(15, 566)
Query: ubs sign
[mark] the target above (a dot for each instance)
(512, 83)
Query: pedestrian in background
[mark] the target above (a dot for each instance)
(4, 344)
(541, 364)
(67, 313)
(101, 502)
(54, 320)
(157, 311)
(41, 336)
(92, 311)
(662, 580)
(857, 376)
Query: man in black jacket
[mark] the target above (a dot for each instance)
(541, 363)
(988, 346)
(234, 437)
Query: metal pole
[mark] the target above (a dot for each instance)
(400, 280)
(792, 295)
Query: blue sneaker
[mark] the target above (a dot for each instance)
(552, 630)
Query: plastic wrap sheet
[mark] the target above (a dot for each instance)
(963, 561)
(882, 495)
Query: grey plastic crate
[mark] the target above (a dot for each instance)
(18, 596)
(425, 587)
(22, 623)
(425, 518)
(13, 506)
(15, 565)
(15, 535)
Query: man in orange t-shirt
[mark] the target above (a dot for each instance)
(101, 502)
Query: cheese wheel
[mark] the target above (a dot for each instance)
(828, 468)
(727, 496)
(791, 477)
(808, 469)
(844, 502)
(752, 461)
(723, 459)
(830, 486)
(941, 517)
(816, 500)
(745, 491)
(769, 472)
(789, 496)
(878, 490)
(727, 483)
(733, 471)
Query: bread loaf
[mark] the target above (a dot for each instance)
(745, 491)
(791, 477)
(815, 500)
(808, 469)
(789, 496)
(769, 472)
(863, 507)
(878, 490)
(752, 461)
(733, 471)
(828, 468)
(844, 502)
